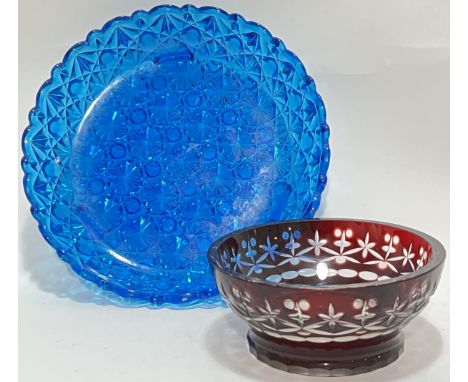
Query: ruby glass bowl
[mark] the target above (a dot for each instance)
(327, 297)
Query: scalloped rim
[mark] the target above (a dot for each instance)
(323, 165)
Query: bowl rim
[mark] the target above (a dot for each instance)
(436, 261)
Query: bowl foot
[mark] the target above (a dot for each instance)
(326, 360)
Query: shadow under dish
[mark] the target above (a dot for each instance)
(327, 297)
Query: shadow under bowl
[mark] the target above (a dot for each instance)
(327, 297)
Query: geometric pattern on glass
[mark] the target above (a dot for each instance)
(162, 132)
(327, 297)
(341, 254)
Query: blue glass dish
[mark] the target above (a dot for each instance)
(162, 132)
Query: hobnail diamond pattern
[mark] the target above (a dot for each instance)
(160, 133)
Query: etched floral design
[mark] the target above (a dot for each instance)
(332, 318)
(408, 256)
(270, 250)
(391, 259)
(299, 308)
(295, 319)
(268, 314)
(419, 297)
(384, 261)
(316, 244)
(364, 315)
(293, 257)
(256, 266)
(367, 246)
(422, 258)
(397, 311)
(236, 259)
(243, 303)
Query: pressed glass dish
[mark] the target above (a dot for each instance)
(160, 133)
(327, 297)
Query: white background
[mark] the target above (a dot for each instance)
(382, 68)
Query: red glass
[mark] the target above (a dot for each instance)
(327, 297)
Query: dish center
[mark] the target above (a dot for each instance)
(172, 153)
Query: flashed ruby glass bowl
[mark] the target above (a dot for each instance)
(162, 132)
(327, 297)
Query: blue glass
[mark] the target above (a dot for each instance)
(162, 132)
